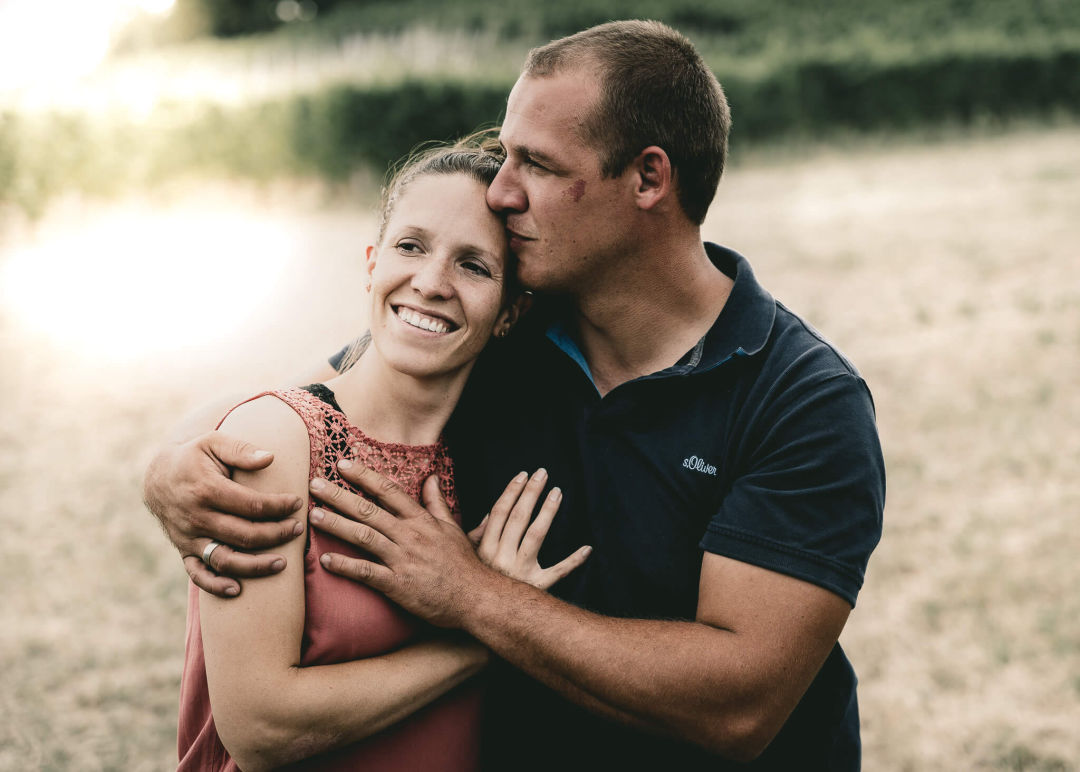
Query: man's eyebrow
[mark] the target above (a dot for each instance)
(532, 154)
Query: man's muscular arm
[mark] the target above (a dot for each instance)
(187, 487)
(726, 681)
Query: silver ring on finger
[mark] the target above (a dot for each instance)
(208, 550)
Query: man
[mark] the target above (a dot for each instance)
(718, 455)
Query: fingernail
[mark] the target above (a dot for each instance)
(325, 560)
(521, 477)
(344, 464)
(587, 551)
(297, 529)
(259, 455)
(556, 494)
(317, 484)
(316, 516)
(297, 504)
(541, 474)
(277, 565)
(232, 591)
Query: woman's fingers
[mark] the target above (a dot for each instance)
(534, 537)
(499, 512)
(510, 543)
(477, 533)
(553, 574)
(518, 521)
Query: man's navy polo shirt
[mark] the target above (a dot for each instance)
(760, 445)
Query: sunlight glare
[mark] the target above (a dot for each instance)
(131, 285)
(48, 41)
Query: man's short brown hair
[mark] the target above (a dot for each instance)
(655, 89)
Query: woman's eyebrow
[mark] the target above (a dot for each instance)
(417, 230)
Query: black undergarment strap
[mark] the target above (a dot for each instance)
(323, 392)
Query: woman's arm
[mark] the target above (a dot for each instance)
(268, 710)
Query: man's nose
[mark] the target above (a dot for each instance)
(505, 194)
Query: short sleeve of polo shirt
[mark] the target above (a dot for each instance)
(809, 497)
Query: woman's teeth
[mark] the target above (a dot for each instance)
(411, 317)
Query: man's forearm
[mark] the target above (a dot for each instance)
(679, 678)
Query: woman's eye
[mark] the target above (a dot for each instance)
(476, 268)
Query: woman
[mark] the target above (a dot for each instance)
(306, 665)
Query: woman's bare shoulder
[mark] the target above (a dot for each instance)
(270, 424)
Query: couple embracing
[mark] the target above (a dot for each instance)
(665, 589)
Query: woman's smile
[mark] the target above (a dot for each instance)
(424, 320)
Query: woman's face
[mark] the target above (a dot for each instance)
(438, 277)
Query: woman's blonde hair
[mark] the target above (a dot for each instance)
(478, 155)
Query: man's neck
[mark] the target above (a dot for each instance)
(656, 311)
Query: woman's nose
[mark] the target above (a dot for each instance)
(432, 278)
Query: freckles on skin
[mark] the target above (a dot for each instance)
(575, 191)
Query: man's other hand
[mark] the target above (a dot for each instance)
(188, 489)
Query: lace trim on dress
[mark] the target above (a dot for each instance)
(334, 438)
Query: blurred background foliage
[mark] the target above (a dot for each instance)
(265, 89)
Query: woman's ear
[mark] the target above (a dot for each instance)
(513, 311)
(370, 254)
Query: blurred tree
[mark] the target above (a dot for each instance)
(190, 19)
(229, 18)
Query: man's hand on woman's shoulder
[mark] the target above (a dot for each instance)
(187, 487)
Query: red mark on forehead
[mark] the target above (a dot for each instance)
(575, 191)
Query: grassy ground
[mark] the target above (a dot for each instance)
(947, 271)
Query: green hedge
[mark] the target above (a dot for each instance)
(337, 131)
(816, 96)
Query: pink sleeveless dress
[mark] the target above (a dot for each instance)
(345, 621)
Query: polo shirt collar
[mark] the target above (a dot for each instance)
(746, 321)
(742, 328)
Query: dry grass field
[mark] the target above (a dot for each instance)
(948, 271)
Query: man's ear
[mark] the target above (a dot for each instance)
(653, 176)
(513, 311)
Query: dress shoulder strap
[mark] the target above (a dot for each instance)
(312, 412)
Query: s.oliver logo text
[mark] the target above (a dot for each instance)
(699, 465)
